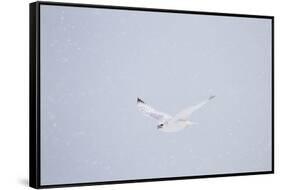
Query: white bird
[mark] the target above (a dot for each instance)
(166, 122)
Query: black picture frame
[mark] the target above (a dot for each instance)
(34, 99)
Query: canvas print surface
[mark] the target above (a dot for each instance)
(140, 95)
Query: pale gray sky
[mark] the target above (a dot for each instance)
(96, 62)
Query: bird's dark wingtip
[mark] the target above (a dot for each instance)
(140, 100)
(212, 97)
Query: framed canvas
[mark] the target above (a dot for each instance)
(126, 94)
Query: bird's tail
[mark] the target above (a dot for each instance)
(192, 123)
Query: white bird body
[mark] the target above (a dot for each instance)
(174, 126)
(168, 123)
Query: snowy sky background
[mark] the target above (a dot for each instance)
(96, 62)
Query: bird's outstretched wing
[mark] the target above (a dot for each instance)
(184, 114)
(151, 112)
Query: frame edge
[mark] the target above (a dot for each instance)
(165, 10)
(34, 138)
(272, 97)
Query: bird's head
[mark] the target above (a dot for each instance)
(160, 126)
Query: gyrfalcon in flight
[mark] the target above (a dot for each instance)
(166, 122)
